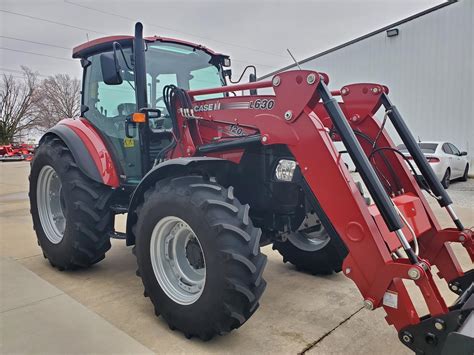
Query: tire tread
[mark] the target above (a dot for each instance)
(90, 220)
(238, 242)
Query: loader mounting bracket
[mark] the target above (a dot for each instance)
(438, 334)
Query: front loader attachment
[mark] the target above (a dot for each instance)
(396, 239)
(445, 330)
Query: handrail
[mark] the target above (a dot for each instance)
(228, 88)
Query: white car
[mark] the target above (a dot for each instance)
(447, 161)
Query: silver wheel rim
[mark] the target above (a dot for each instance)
(309, 241)
(50, 204)
(180, 268)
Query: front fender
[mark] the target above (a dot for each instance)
(174, 167)
(88, 149)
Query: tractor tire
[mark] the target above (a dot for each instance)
(318, 258)
(446, 180)
(198, 256)
(464, 177)
(71, 214)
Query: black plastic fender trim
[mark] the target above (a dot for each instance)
(172, 167)
(78, 150)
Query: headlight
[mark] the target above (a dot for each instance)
(285, 170)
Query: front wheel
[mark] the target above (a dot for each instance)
(198, 255)
(312, 253)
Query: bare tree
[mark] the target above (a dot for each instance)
(18, 100)
(59, 97)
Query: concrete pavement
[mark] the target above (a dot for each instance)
(37, 317)
(298, 312)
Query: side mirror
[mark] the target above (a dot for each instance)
(110, 69)
(462, 153)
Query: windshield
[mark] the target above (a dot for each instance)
(184, 66)
(180, 65)
(425, 147)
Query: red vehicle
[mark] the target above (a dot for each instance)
(208, 177)
(16, 152)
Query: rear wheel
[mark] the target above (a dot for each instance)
(446, 180)
(466, 172)
(311, 253)
(198, 255)
(71, 214)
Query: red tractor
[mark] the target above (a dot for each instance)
(208, 177)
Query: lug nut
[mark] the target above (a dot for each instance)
(414, 273)
(462, 238)
(344, 91)
(276, 80)
(264, 139)
(288, 115)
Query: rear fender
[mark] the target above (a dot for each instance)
(216, 167)
(88, 149)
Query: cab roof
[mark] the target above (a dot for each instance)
(105, 43)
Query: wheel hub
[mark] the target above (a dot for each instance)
(315, 240)
(51, 204)
(194, 254)
(178, 260)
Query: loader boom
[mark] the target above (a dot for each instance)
(304, 110)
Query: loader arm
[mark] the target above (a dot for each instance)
(303, 115)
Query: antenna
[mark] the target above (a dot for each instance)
(296, 62)
(87, 36)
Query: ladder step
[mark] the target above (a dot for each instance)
(119, 209)
(117, 235)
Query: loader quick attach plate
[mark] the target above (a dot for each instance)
(462, 283)
(450, 333)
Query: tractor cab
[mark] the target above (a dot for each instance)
(117, 84)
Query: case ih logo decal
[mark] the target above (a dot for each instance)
(207, 107)
(260, 104)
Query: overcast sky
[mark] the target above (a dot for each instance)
(251, 32)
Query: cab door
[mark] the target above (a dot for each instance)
(107, 107)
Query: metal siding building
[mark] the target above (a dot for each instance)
(428, 67)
